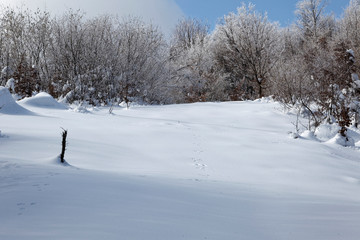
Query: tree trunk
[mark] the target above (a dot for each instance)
(260, 91)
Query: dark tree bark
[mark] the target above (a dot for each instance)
(63, 146)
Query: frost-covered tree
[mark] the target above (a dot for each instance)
(12, 40)
(191, 61)
(247, 48)
(312, 20)
(349, 26)
(100, 58)
(306, 69)
(68, 54)
(105, 59)
(290, 81)
(24, 38)
(37, 43)
(141, 61)
(188, 33)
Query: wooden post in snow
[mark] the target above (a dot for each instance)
(63, 146)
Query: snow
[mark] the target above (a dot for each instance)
(8, 104)
(191, 171)
(351, 52)
(309, 135)
(42, 100)
(10, 84)
(341, 140)
(7, 71)
(357, 83)
(325, 132)
(355, 77)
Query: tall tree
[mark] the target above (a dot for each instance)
(190, 60)
(141, 61)
(247, 47)
(312, 20)
(349, 26)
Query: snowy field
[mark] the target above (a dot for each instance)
(198, 171)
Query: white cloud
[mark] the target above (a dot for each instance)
(164, 13)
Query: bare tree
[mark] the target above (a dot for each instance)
(68, 53)
(349, 26)
(188, 33)
(37, 42)
(12, 35)
(312, 19)
(248, 46)
(190, 61)
(140, 64)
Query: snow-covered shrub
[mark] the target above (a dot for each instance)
(342, 140)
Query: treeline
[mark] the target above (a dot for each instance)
(99, 60)
(106, 60)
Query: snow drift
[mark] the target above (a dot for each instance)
(9, 106)
(43, 100)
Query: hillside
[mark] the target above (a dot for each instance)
(195, 171)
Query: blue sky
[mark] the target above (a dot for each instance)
(278, 10)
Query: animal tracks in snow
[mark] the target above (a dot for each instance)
(13, 176)
(199, 165)
(198, 160)
(22, 207)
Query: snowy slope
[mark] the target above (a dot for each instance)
(197, 171)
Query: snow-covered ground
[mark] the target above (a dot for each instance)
(197, 171)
